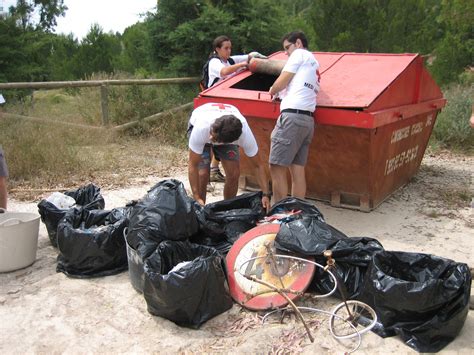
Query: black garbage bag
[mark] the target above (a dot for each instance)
(165, 213)
(188, 294)
(91, 242)
(353, 256)
(87, 196)
(296, 204)
(307, 235)
(310, 235)
(136, 256)
(420, 297)
(223, 222)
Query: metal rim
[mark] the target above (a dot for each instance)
(361, 317)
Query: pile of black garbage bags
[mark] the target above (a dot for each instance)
(422, 298)
(175, 251)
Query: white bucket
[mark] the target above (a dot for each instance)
(18, 239)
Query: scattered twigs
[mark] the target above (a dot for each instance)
(285, 296)
(264, 292)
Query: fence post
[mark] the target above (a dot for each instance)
(104, 102)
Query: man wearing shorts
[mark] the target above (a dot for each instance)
(297, 86)
(222, 128)
(3, 180)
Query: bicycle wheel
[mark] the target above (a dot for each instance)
(358, 314)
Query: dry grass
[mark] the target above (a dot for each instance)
(48, 156)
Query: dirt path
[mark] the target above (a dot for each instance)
(42, 311)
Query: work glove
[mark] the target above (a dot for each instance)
(256, 55)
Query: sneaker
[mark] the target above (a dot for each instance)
(216, 176)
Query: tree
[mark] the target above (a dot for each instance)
(48, 11)
(60, 61)
(96, 52)
(25, 47)
(456, 50)
(136, 49)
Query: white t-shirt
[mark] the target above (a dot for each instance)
(302, 90)
(216, 65)
(204, 116)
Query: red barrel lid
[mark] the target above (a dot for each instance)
(285, 273)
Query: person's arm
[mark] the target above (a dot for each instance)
(262, 179)
(193, 175)
(282, 82)
(232, 69)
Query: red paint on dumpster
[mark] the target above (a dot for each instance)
(365, 99)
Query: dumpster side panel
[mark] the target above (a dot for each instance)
(338, 164)
(397, 152)
(262, 129)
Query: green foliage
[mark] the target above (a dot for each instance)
(60, 63)
(455, 51)
(375, 26)
(452, 125)
(26, 12)
(96, 53)
(136, 53)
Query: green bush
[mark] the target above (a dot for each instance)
(452, 129)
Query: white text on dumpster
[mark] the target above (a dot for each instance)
(400, 159)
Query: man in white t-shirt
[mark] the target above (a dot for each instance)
(297, 86)
(222, 128)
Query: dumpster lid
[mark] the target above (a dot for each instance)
(358, 79)
(351, 80)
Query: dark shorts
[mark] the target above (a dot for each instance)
(221, 152)
(291, 138)
(3, 165)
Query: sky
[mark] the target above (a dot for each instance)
(111, 15)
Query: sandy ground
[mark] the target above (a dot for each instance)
(42, 311)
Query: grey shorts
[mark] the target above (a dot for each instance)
(3, 164)
(291, 138)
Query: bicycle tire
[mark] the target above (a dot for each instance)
(361, 316)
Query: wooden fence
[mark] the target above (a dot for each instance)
(104, 93)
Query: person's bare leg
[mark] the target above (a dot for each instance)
(203, 181)
(3, 192)
(214, 162)
(279, 182)
(232, 173)
(216, 175)
(298, 181)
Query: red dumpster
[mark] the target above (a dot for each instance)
(374, 116)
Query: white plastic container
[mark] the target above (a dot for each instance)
(18, 239)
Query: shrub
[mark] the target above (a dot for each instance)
(452, 129)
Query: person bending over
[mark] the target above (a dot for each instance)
(222, 129)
